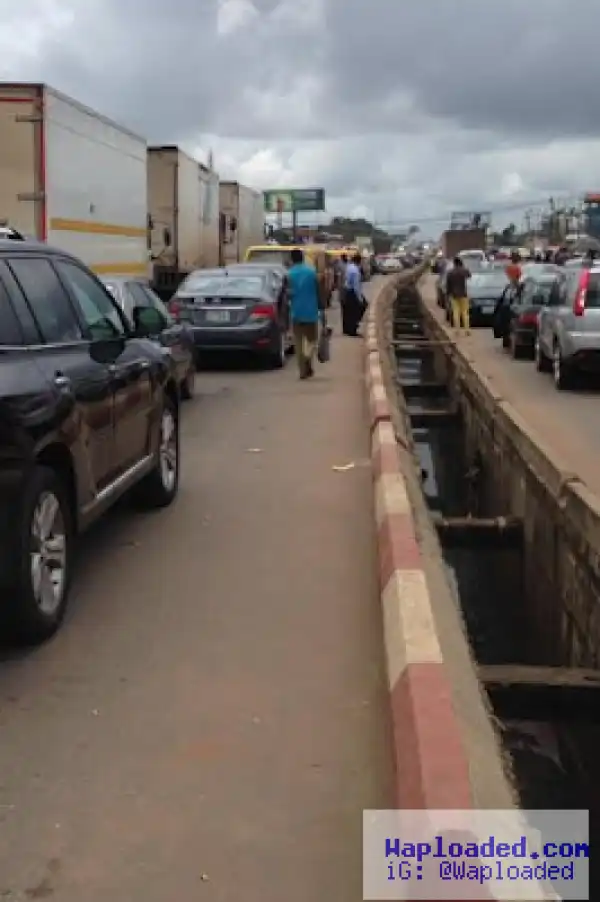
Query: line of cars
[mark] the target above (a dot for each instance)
(92, 379)
(552, 316)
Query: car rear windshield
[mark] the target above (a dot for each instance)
(492, 279)
(213, 286)
(592, 298)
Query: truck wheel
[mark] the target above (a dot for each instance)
(41, 566)
(159, 488)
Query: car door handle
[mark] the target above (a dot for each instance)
(62, 382)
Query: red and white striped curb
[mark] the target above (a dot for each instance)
(431, 763)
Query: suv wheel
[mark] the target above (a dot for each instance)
(542, 364)
(42, 564)
(516, 350)
(159, 487)
(563, 377)
(188, 385)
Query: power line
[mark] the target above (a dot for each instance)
(508, 207)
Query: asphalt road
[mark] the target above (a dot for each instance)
(211, 720)
(567, 422)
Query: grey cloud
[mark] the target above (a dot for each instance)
(523, 68)
(418, 105)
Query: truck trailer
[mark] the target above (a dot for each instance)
(242, 221)
(453, 241)
(183, 206)
(73, 178)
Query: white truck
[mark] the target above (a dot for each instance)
(242, 221)
(183, 206)
(73, 178)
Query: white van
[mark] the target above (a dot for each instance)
(473, 259)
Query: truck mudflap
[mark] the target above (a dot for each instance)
(166, 280)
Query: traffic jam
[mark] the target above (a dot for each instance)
(542, 306)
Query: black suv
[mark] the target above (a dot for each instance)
(88, 410)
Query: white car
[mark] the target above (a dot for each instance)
(389, 263)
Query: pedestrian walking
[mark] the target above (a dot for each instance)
(456, 288)
(342, 263)
(513, 270)
(353, 303)
(305, 305)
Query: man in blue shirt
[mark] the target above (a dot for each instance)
(353, 305)
(304, 307)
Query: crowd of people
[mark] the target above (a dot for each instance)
(308, 305)
(459, 275)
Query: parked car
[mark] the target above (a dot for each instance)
(485, 289)
(235, 311)
(89, 409)
(516, 316)
(536, 269)
(278, 275)
(134, 295)
(568, 339)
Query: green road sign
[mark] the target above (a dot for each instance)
(295, 200)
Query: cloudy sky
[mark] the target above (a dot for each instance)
(402, 110)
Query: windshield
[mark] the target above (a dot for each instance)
(492, 279)
(277, 255)
(213, 286)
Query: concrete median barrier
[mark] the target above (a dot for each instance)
(446, 752)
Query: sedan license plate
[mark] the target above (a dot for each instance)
(487, 308)
(218, 316)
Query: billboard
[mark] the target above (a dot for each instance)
(295, 200)
(470, 220)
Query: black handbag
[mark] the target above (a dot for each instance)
(324, 344)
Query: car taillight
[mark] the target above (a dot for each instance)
(174, 308)
(528, 319)
(580, 297)
(264, 311)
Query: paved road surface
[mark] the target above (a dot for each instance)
(210, 722)
(569, 422)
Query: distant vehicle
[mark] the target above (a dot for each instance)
(135, 297)
(538, 269)
(485, 290)
(473, 259)
(388, 263)
(568, 339)
(89, 409)
(236, 311)
(516, 316)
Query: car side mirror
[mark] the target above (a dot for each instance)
(147, 321)
(107, 350)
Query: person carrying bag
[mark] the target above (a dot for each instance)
(324, 344)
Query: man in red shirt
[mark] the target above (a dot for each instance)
(513, 270)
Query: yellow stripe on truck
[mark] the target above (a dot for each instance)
(116, 269)
(96, 228)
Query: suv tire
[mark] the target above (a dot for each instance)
(159, 488)
(188, 384)
(562, 374)
(39, 584)
(542, 364)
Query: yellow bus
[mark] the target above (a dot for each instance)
(315, 254)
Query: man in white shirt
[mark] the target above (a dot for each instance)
(353, 305)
